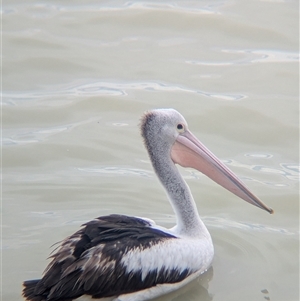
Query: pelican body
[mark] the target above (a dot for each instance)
(131, 258)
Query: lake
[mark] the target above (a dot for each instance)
(78, 75)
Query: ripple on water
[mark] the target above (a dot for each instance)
(288, 170)
(70, 92)
(259, 155)
(251, 56)
(152, 86)
(211, 8)
(113, 170)
(222, 223)
(26, 135)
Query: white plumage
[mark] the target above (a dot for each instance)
(181, 254)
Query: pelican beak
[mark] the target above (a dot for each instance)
(188, 151)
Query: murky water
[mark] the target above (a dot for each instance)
(76, 79)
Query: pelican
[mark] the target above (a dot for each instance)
(131, 258)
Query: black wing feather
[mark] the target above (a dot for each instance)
(75, 270)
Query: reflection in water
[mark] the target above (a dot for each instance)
(194, 291)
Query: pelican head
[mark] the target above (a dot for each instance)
(167, 138)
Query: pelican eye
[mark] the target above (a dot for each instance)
(180, 127)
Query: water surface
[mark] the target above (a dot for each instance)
(76, 79)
